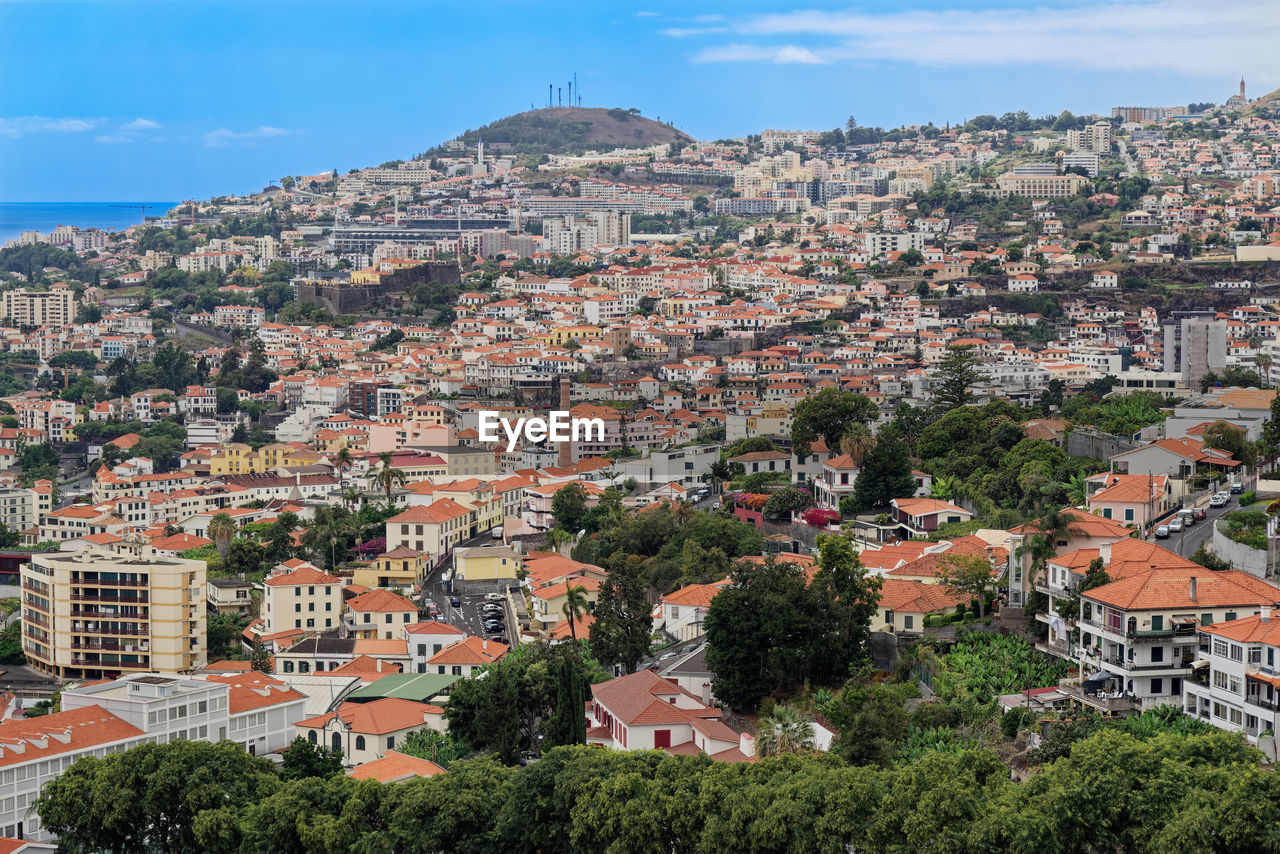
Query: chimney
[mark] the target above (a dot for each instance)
(565, 459)
(747, 744)
(1265, 614)
(1193, 588)
(1104, 552)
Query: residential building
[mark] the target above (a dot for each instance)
(364, 732)
(1238, 688)
(297, 595)
(96, 613)
(54, 308)
(378, 614)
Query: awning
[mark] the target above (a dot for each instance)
(1102, 676)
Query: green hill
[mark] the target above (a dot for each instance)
(566, 130)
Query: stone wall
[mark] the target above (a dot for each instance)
(1242, 557)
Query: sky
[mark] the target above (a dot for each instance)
(153, 99)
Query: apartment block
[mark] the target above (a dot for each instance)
(96, 613)
(55, 307)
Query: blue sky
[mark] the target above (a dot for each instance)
(168, 100)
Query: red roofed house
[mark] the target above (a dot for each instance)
(921, 516)
(465, 657)
(683, 610)
(365, 732)
(297, 595)
(428, 639)
(1242, 691)
(378, 614)
(643, 711)
(905, 603)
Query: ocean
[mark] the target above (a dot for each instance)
(17, 217)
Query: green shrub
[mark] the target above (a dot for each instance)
(1247, 498)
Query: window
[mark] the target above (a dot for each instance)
(1128, 514)
(1230, 615)
(336, 742)
(457, 670)
(1157, 686)
(422, 649)
(1234, 685)
(1236, 717)
(1157, 622)
(1157, 654)
(389, 617)
(1255, 655)
(1220, 647)
(1237, 651)
(1220, 679)
(391, 742)
(908, 622)
(204, 706)
(661, 738)
(359, 742)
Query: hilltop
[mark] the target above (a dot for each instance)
(563, 130)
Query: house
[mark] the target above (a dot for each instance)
(548, 602)
(426, 640)
(1138, 633)
(1241, 687)
(485, 569)
(762, 461)
(1135, 499)
(643, 711)
(378, 613)
(401, 567)
(465, 657)
(681, 612)
(297, 595)
(905, 603)
(836, 481)
(364, 732)
(920, 517)
(1174, 457)
(229, 596)
(1083, 530)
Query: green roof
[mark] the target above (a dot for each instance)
(407, 686)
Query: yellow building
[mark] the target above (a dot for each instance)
(97, 613)
(237, 458)
(564, 334)
(401, 567)
(486, 568)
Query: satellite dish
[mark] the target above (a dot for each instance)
(582, 533)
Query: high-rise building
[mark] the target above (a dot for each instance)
(55, 307)
(1095, 138)
(97, 613)
(1195, 343)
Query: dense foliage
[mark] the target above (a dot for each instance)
(1116, 791)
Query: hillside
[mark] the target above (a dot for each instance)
(564, 130)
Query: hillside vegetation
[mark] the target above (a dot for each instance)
(566, 130)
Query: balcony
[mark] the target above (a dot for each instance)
(109, 597)
(109, 631)
(110, 647)
(107, 582)
(1101, 700)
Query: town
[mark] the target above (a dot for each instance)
(946, 451)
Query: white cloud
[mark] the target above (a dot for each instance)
(223, 137)
(23, 125)
(644, 13)
(781, 55)
(129, 131)
(1184, 36)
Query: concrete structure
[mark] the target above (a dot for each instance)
(96, 613)
(56, 307)
(1195, 343)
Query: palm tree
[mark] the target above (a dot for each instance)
(783, 731)
(388, 477)
(351, 497)
(1054, 525)
(1263, 361)
(945, 487)
(557, 537)
(222, 529)
(1077, 489)
(857, 443)
(575, 605)
(343, 461)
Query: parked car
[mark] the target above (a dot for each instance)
(455, 601)
(1174, 526)
(491, 609)
(1200, 514)
(1217, 500)
(1237, 488)
(1188, 516)
(493, 597)
(494, 628)
(1162, 532)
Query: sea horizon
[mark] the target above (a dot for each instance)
(18, 217)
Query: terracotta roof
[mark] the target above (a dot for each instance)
(304, 574)
(695, 595)
(394, 767)
(25, 739)
(364, 665)
(900, 594)
(254, 690)
(389, 714)
(1249, 629)
(380, 600)
(1171, 588)
(472, 650)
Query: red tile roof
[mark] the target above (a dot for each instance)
(389, 714)
(394, 767)
(25, 739)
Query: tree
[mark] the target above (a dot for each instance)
(223, 631)
(575, 605)
(222, 528)
(304, 759)
(885, 474)
(1095, 575)
(623, 622)
(439, 747)
(967, 575)
(388, 477)
(259, 658)
(857, 442)
(827, 415)
(786, 501)
(569, 506)
(871, 719)
(1225, 436)
(148, 798)
(956, 374)
(783, 731)
(569, 723)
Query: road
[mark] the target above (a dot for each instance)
(467, 616)
(1190, 539)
